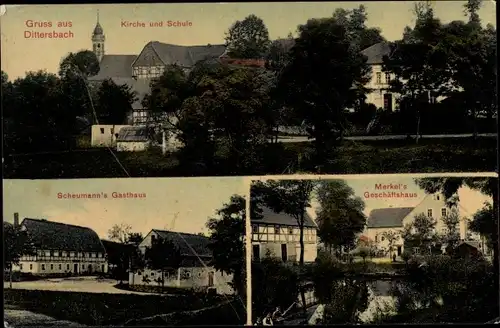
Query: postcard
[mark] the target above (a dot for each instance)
(79, 255)
(384, 249)
(328, 88)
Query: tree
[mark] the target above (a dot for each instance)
(420, 233)
(83, 62)
(392, 237)
(114, 102)
(163, 255)
(451, 236)
(323, 50)
(120, 232)
(17, 243)
(226, 241)
(248, 39)
(484, 222)
(419, 64)
(135, 238)
(291, 197)
(340, 216)
(38, 118)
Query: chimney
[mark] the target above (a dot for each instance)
(16, 220)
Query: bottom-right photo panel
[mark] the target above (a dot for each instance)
(375, 250)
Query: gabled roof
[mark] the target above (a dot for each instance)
(133, 134)
(60, 236)
(271, 217)
(377, 52)
(186, 56)
(188, 244)
(388, 217)
(114, 66)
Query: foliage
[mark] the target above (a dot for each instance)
(321, 51)
(163, 255)
(273, 284)
(16, 244)
(421, 233)
(392, 237)
(120, 232)
(451, 236)
(248, 39)
(340, 216)
(114, 102)
(83, 62)
(485, 223)
(226, 240)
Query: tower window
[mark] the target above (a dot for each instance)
(98, 45)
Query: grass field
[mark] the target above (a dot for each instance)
(352, 157)
(109, 309)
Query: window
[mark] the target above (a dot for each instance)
(388, 102)
(443, 212)
(67, 266)
(277, 230)
(382, 238)
(20, 266)
(429, 213)
(31, 266)
(416, 250)
(376, 239)
(43, 267)
(83, 267)
(379, 78)
(255, 229)
(290, 230)
(56, 253)
(112, 130)
(99, 255)
(153, 238)
(47, 253)
(72, 254)
(52, 267)
(102, 130)
(51, 253)
(60, 266)
(387, 78)
(152, 274)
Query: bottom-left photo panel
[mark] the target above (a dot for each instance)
(124, 252)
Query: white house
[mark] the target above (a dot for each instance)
(61, 249)
(393, 219)
(278, 234)
(379, 94)
(195, 270)
(105, 135)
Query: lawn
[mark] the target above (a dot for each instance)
(106, 309)
(352, 157)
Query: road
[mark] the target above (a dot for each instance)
(73, 284)
(391, 137)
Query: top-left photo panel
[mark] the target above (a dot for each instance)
(248, 89)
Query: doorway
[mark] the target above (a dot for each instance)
(75, 268)
(256, 252)
(399, 251)
(90, 268)
(210, 279)
(284, 255)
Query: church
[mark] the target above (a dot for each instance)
(137, 71)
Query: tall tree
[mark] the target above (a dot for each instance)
(323, 50)
(451, 235)
(292, 197)
(114, 102)
(420, 233)
(83, 62)
(227, 232)
(248, 38)
(120, 232)
(17, 243)
(340, 215)
(163, 255)
(392, 237)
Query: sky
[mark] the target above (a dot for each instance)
(470, 200)
(208, 24)
(175, 204)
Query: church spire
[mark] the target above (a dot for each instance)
(98, 39)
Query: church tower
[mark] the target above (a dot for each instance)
(98, 40)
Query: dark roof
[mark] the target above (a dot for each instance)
(388, 217)
(271, 217)
(471, 243)
(98, 29)
(133, 133)
(60, 236)
(114, 66)
(377, 52)
(186, 56)
(188, 244)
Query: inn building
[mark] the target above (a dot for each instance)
(278, 235)
(61, 248)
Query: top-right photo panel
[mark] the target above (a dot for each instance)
(159, 90)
